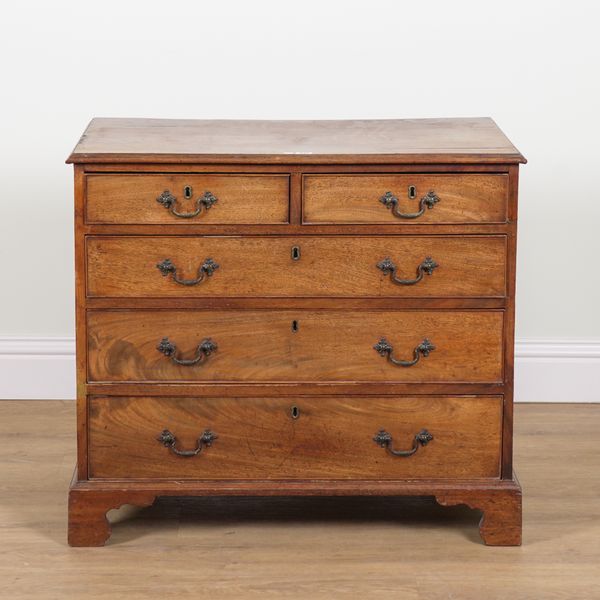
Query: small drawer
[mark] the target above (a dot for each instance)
(176, 199)
(307, 266)
(405, 198)
(220, 346)
(295, 438)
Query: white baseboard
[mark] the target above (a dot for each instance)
(557, 371)
(37, 368)
(545, 370)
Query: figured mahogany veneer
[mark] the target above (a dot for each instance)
(327, 437)
(289, 307)
(328, 345)
(464, 198)
(332, 266)
(240, 199)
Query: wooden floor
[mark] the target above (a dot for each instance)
(302, 548)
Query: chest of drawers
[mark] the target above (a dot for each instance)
(295, 308)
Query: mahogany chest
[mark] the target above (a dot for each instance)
(295, 308)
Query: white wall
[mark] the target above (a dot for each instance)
(532, 66)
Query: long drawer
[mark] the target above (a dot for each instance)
(406, 198)
(304, 266)
(215, 198)
(295, 345)
(302, 438)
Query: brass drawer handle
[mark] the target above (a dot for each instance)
(170, 203)
(166, 267)
(389, 268)
(429, 200)
(384, 439)
(386, 349)
(167, 439)
(203, 351)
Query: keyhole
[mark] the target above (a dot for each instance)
(187, 191)
(412, 191)
(295, 412)
(295, 252)
(294, 326)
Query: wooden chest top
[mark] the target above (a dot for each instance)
(412, 141)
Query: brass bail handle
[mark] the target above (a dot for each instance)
(384, 439)
(205, 270)
(387, 267)
(428, 201)
(204, 349)
(204, 202)
(167, 439)
(384, 348)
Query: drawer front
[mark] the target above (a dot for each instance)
(391, 266)
(405, 199)
(287, 438)
(187, 199)
(294, 345)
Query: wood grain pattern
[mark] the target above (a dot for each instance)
(88, 522)
(297, 302)
(328, 346)
(358, 229)
(241, 199)
(80, 320)
(501, 523)
(509, 328)
(275, 389)
(466, 140)
(332, 438)
(464, 198)
(328, 266)
(296, 168)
